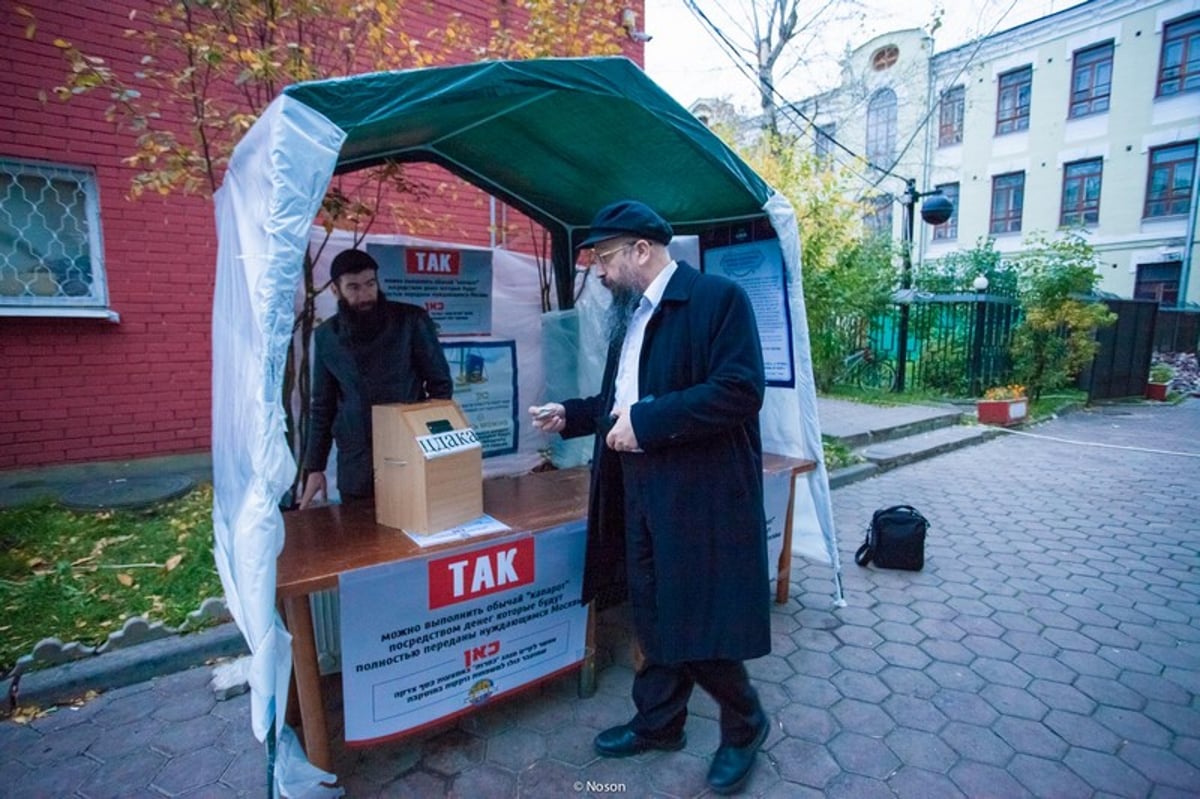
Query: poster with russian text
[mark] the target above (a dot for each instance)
(432, 637)
(485, 387)
(454, 285)
(757, 266)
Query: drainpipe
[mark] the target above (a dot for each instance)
(1189, 242)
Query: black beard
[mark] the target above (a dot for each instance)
(363, 325)
(625, 301)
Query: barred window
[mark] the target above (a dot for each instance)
(51, 254)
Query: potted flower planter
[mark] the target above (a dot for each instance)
(1159, 382)
(1002, 411)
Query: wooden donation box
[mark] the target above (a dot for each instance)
(428, 467)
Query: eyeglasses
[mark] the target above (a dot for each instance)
(601, 258)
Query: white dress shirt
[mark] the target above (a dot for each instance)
(627, 391)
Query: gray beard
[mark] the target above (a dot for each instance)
(624, 302)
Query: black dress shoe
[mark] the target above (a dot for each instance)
(731, 765)
(622, 741)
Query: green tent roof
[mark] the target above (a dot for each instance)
(555, 138)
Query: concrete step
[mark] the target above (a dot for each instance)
(876, 427)
(886, 455)
(912, 448)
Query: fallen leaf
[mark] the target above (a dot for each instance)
(173, 561)
(125, 579)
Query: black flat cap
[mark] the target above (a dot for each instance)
(348, 262)
(628, 218)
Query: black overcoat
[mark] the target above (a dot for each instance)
(697, 487)
(403, 363)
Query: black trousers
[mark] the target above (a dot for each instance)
(660, 690)
(661, 694)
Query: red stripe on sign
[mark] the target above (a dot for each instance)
(470, 575)
(432, 262)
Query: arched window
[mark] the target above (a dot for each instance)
(881, 128)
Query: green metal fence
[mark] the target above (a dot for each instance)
(957, 343)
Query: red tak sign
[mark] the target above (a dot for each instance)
(432, 262)
(470, 575)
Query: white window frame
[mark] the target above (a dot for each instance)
(95, 303)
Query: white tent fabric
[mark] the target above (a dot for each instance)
(786, 408)
(265, 208)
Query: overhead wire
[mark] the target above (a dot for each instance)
(814, 130)
(743, 66)
(935, 106)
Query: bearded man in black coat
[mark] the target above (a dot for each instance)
(677, 485)
(373, 352)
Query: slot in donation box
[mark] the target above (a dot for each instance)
(428, 466)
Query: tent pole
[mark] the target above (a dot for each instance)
(563, 262)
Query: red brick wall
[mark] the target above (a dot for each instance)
(76, 390)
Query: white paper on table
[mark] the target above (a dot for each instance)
(484, 525)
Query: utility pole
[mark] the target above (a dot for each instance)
(936, 210)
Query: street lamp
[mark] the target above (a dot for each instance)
(936, 210)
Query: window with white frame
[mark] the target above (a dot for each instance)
(51, 255)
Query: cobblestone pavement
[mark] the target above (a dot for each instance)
(1050, 648)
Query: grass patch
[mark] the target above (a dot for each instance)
(837, 454)
(1054, 403)
(77, 576)
(888, 398)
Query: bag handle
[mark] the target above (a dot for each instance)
(908, 508)
(864, 554)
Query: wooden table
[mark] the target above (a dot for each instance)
(322, 543)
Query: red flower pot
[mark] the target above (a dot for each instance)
(1002, 412)
(1157, 391)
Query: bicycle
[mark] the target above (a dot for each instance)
(866, 370)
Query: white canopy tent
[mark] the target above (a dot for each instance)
(556, 139)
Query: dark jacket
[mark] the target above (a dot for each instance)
(403, 363)
(698, 483)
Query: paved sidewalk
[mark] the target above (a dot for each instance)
(1050, 648)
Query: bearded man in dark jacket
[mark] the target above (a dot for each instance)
(372, 352)
(677, 487)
